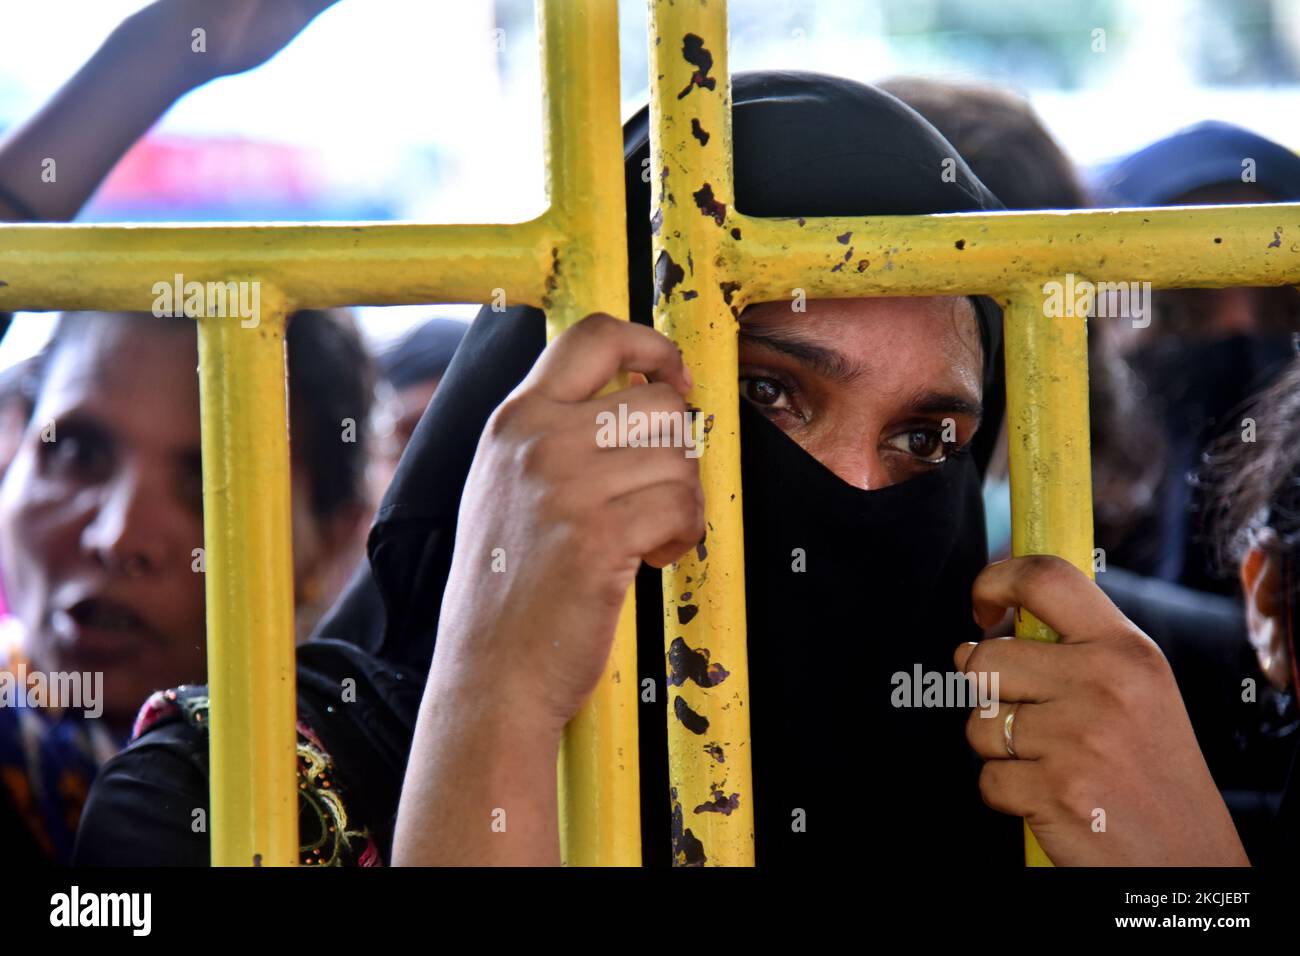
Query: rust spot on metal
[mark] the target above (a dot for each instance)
(696, 55)
(1217, 240)
(801, 221)
(708, 424)
(687, 849)
(551, 281)
(842, 240)
(667, 275)
(698, 132)
(656, 222)
(701, 552)
(695, 723)
(848, 255)
(3, 283)
(838, 267)
(720, 802)
(1277, 238)
(735, 233)
(716, 752)
(862, 264)
(729, 289)
(690, 261)
(686, 613)
(686, 595)
(685, 663)
(960, 244)
(688, 294)
(708, 205)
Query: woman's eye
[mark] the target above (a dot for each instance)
(926, 444)
(77, 455)
(765, 392)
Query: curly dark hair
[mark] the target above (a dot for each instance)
(1256, 484)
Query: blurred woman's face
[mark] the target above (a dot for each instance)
(98, 525)
(878, 390)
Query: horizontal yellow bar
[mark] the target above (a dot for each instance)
(1175, 247)
(46, 267)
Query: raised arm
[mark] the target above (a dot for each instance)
(151, 60)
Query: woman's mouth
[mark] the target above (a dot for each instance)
(101, 632)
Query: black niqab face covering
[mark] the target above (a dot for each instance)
(885, 587)
(1198, 389)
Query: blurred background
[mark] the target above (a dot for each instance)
(407, 109)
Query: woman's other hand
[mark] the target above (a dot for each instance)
(1106, 769)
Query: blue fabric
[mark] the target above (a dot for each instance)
(1206, 154)
(47, 763)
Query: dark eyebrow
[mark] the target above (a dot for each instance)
(83, 420)
(934, 403)
(833, 365)
(826, 362)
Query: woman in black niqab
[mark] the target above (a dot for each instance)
(887, 582)
(886, 589)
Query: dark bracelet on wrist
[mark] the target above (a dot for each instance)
(25, 212)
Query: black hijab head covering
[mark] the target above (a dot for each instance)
(888, 572)
(424, 354)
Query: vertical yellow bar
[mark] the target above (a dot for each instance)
(710, 780)
(247, 538)
(1051, 471)
(599, 772)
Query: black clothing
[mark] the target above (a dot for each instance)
(141, 807)
(423, 355)
(1199, 391)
